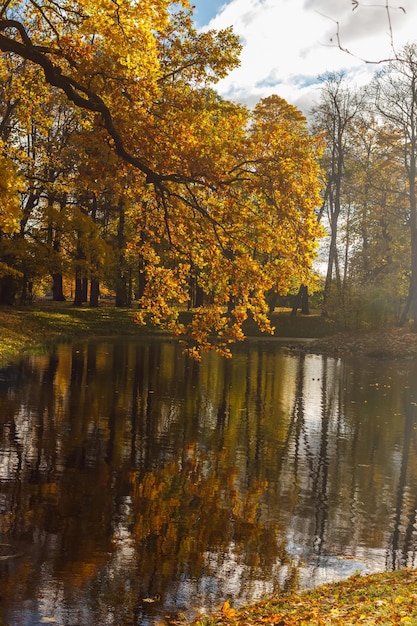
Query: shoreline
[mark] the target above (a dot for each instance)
(33, 328)
(387, 599)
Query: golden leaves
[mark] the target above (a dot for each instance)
(10, 186)
(232, 215)
(234, 241)
(227, 611)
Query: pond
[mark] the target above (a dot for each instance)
(137, 485)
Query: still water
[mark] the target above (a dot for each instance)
(136, 485)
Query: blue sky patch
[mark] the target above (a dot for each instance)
(205, 10)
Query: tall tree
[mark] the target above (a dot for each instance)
(379, 234)
(107, 59)
(285, 181)
(335, 114)
(395, 90)
(262, 234)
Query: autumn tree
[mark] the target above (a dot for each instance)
(378, 259)
(390, 93)
(9, 220)
(187, 167)
(106, 58)
(256, 234)
(285, 183)
(395, 92)
(11, 184)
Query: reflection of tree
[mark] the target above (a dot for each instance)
(183, 507)
(320, 475)
(118, 484)
(297, 429)
(46, 418)
(402, 547)
(315, 448)
(134, 473)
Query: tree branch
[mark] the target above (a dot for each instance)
(81, 96)
(356, 4)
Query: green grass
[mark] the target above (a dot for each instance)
(301, 326)
(32, 328)
(29, 329)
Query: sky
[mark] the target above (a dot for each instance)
(289, 44)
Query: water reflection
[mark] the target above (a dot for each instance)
(136, 484)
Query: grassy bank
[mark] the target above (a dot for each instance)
(29, 328)
(388, 599)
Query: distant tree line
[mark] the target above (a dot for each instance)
(369, 201)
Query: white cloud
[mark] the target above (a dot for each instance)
(289, 43)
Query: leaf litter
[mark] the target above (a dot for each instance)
(386, 599)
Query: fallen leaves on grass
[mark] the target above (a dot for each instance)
(383, 344)
(388, 599)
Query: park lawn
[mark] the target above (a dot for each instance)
(34, 328)
(31, 328)
(386, 599)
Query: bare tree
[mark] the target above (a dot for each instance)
(335, 114)
(388, 8)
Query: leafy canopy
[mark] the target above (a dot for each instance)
(221, 200)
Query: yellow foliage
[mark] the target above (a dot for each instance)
(223, 200)
(10, 186)
(250, 232)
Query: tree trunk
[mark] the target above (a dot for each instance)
(410, 306)
(411, 303)
(305, 306)
(301, 302)
(141, 279)
(79, 292)
(8, 290)
(27, 291)
(57, 287)
(122, 290)
(94, 292)
(84, 288)
(196, 294)
(332, 264)
(94, 262)
(413, 234)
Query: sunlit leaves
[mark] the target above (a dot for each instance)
(222, 200)
(251, 230)
(10, 186)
